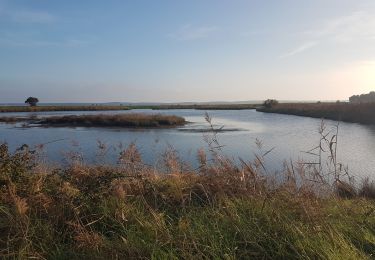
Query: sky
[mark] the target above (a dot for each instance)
(176, 51)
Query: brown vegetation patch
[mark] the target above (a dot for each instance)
(120, 120)
(341, 111)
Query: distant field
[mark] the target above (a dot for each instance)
(5, 109)
(347, 112)
(207, 107)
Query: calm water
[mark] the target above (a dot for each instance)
(290, 135)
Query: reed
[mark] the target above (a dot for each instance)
(120, 120)
(341, 111)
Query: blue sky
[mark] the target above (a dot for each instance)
(196, 50)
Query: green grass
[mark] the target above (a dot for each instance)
(341, 111)
(135, 211)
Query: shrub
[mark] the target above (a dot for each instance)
(270, 103)
(32, 101)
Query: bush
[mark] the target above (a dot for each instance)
(270, 103)
(32, 101)
(364, 98)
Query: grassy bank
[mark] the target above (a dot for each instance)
(132, 210)
(5, 109)
(120, 120)
(347, 112)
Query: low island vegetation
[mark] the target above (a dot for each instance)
(117, 120)
(131, 120)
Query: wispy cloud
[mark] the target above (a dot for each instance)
(349, 27)
(31, 16)
(299, 49)
(189, 32)
(252, 33)
(25, 15)
(71, 43)
(357, 26)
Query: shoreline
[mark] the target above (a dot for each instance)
(345, 112)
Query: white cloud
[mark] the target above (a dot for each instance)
(188, 32)
(299, 49)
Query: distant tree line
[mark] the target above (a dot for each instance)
(364, 98)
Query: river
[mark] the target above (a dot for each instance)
(290, 136)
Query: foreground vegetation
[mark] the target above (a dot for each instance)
(341, 111)
(220, 210)
(5, 109)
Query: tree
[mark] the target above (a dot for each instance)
(32, 101)
(364, 98)
(270, 103)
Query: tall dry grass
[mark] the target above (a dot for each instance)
(221, 209)
(340, 111)
(119, 120)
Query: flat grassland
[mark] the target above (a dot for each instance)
(341, 111)
(207, 107)
(5, 109)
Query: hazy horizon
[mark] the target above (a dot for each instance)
(194, 51)
(171, 102)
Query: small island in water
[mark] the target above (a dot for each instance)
(130, 120)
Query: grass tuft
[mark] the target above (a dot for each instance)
(132, 210)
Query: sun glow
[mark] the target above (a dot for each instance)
(354, 79)
(366, 75)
